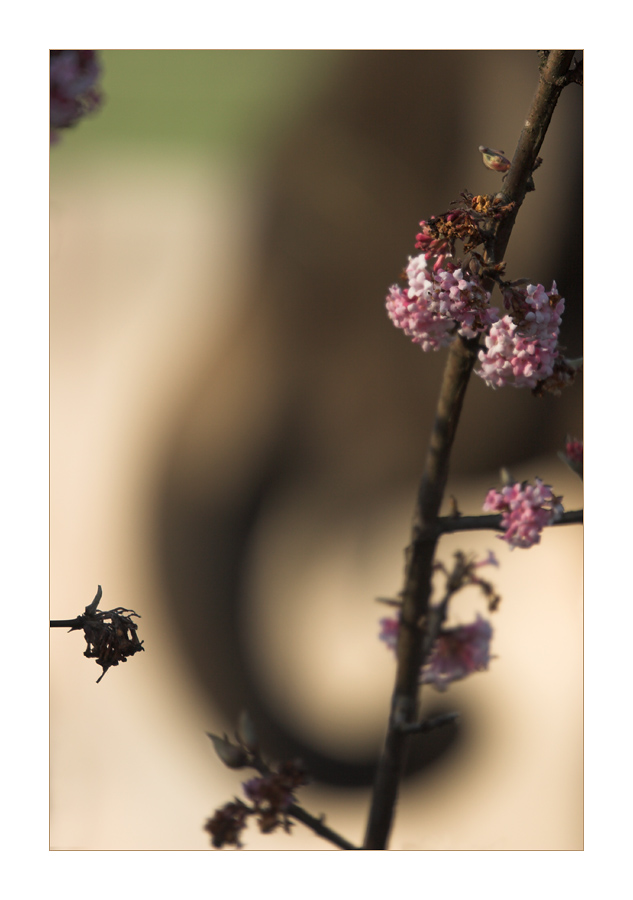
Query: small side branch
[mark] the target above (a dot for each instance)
(319, 827)
(427, 725)
(272, 795)
(453, 524)
(71, 624)
(317, 824)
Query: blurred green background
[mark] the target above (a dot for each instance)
(231, 103)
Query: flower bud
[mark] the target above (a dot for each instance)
(494, 159)
(246, 732)
(231, 755)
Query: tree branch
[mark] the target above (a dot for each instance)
(317, 824)
(420, 553)
(319, 827)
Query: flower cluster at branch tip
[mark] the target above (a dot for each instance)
(521, 349)
(74, 91)
(447, 298)
(525, 510)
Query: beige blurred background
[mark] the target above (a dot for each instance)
(237, 432)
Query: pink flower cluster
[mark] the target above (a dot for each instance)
(438, 304)
(74, 92)
(457, 652)
(522, 349)
(525, 510)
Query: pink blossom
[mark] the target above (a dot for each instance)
(489, 560)
(537, 312)
(462, 298)
(574, 450)
(522, 349)
(432, 244)
(457, 653)
(438, 304)
(417, 321)
(525, 510)
(511, 358)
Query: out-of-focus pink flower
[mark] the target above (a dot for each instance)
(525, 510)
(457, 653)
(268, 790)
(389, 627)
(489, 560)
(573, 455)
(74, 91)
(272, 794)
(574, 450)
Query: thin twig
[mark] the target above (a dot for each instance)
(319, 827)
(453, 524)
(72, 624)
(302, 815)
(421, 551)
(430, 724)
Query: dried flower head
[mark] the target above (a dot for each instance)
(111, 637)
